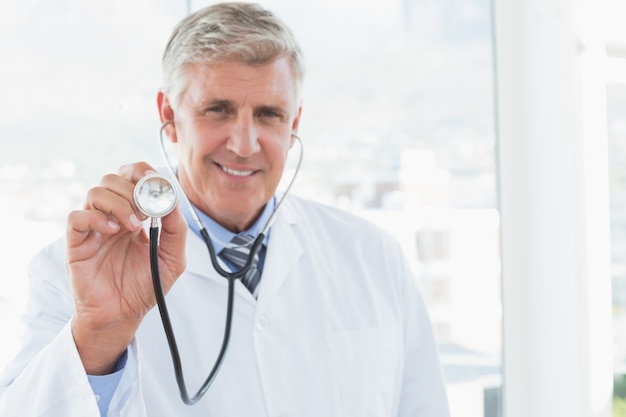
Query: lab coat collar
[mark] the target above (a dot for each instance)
(283, 251)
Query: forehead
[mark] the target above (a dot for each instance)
(273, 82)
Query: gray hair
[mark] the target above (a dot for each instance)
(240, 32)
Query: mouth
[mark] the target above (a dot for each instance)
(235, 172)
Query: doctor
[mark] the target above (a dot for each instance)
(334, 327)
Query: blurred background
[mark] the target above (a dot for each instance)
(399, 125)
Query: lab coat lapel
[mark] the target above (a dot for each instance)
(282, 254)
(199, 263)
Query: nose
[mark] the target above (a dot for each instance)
(243, 140)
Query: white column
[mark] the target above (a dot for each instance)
(553, 173)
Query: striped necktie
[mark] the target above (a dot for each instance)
(238, 255)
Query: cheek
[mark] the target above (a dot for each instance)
(199, 138)
(188, 148)
(278, 152)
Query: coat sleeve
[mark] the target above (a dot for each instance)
(46, 377)
(423, 392)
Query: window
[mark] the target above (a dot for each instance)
(616, 109)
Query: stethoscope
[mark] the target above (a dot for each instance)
(155, 196)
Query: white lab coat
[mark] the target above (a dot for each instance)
(339, 329)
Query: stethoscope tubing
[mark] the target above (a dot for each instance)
(230, 276)
(167, 324)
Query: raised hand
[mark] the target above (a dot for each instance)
(109, 267)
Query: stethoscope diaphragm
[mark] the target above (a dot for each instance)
(155, 196)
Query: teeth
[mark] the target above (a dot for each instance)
(236, 173)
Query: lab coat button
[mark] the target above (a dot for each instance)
(262, 324)
(97, 397)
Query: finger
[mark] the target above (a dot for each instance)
(172, 239)
(115, 199)
(174, 224)
(80, 223)
(118, 185)
(135, 172)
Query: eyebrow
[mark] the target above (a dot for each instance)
(216, 102)
(275, 109)
(232, 104)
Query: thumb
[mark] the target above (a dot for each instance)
(172, 241)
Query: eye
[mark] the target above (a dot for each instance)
(215, 109)
(270, 115)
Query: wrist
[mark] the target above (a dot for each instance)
(101, 347)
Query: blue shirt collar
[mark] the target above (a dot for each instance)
(221, 235)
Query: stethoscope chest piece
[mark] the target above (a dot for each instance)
(155, 196)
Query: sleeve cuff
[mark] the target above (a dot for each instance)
(104, 386)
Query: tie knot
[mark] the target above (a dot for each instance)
(242, 240)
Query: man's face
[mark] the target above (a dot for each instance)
(233, 127)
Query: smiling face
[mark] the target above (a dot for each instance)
(233, 127)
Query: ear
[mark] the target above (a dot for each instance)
(295, 124)
(166, 114)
